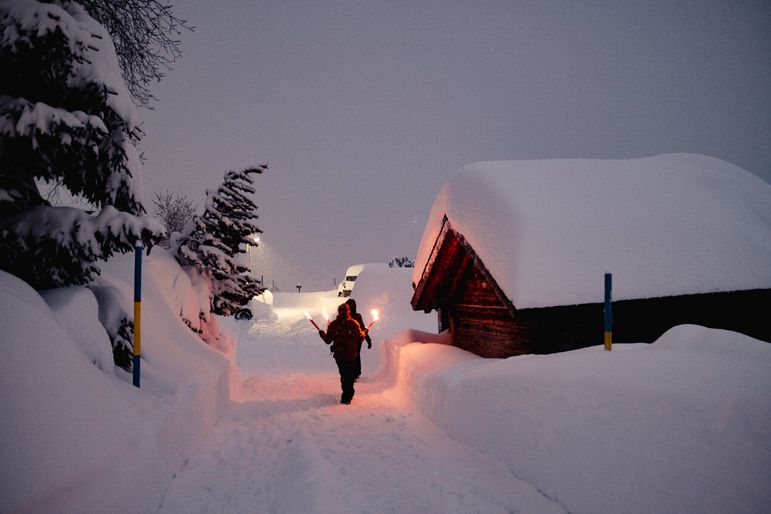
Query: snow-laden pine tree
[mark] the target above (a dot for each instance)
(212, 242)
(66, 118)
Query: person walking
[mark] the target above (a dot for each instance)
(345, 334)
(357, 316)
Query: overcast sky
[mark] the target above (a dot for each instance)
(363, 110)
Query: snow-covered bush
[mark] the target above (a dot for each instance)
(118, 320)
(65, 118)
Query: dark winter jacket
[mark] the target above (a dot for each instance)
(345, 334)
(360, 321)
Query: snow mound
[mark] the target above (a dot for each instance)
(681, 425)
(74, 430)
(389, 291)
(76, 310)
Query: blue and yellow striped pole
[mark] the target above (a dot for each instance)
(137, 311)
(607, 312)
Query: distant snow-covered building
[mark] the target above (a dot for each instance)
(514, 253)
(351, 274)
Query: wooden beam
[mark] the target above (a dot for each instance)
(488, 276)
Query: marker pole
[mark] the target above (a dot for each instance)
(608, 313)
(137, 311)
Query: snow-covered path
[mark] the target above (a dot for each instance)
(288, 446)
(313, 455)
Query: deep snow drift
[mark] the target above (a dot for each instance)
(681, 425)
(75, 435)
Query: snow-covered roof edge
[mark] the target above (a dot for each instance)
(665, 225)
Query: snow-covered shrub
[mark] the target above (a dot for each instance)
(65, 118)
(118, 320)
(202, 322)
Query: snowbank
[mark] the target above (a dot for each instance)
(77, 438)
(75, 309)
(389, 291)
(667, 225)
(682, 425)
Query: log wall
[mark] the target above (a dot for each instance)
(480, 323)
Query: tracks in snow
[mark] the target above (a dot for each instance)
(293, 449)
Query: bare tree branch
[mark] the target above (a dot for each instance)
(146, 37)
(174, 211)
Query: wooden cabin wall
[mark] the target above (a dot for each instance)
(480, 323)
(746, 312)
(557, 329)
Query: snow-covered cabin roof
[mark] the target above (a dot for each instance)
(548, 230)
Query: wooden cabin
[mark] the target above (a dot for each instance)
(482, 320)
(482, 317)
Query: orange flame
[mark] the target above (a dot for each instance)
(375, 317)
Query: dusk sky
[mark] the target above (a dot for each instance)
(362, 110)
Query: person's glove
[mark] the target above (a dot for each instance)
(322, 334)
(369, 345)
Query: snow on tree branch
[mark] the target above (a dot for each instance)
(66, 117)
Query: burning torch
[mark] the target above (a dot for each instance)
(375, 317)
(311, 320)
